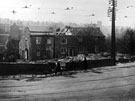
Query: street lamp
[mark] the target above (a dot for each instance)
(112, 14)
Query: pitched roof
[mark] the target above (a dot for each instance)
(92, 31)
(39, 28)
(41, 33)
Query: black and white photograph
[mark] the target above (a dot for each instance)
(67, 50)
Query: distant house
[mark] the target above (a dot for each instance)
(4, 28)
(9, 41)
(39, 45)
(3, 42)
(15, 32)
(13, 40)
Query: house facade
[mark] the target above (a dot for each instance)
(24, 45)
(74, 40)
(72, 45)
(36, 45)
(40, 45)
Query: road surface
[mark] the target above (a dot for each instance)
(115, 83)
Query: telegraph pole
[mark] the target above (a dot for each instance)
(112, 10)
(113, 54)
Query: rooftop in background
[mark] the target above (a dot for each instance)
(79, 31)
(87, 31)
(94, 31)
(41, 33)
(39, 29)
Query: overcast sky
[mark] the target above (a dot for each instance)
(41, 10)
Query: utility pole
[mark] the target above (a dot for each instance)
(113, 54)
(112, 11)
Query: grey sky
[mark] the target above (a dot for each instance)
(41, 10)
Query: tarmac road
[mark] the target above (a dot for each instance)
(106, 84)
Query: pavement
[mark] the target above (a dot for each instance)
(112, 83)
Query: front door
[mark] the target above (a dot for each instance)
(26, 54)
(70, 52)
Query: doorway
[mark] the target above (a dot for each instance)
(26, 54)
(70, 52)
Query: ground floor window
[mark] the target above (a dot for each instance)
(63, 50)
(71, 51)
(80, 49)
(96, 49)
(38, 53)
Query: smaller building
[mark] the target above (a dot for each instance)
(13, 40)
(36, 44)
(3, 42)
(15, 32)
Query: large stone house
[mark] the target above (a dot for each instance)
(74, 40)
(39, 45)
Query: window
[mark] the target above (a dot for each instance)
(63, 41)
(38, 40)
(49, 41)
(96, 39)
(96, 49)
(38, 53)
(0, 42)
(48, 48)
(80, 49)
(63, 50)
(80, 39)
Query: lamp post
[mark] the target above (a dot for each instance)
(112, 14)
